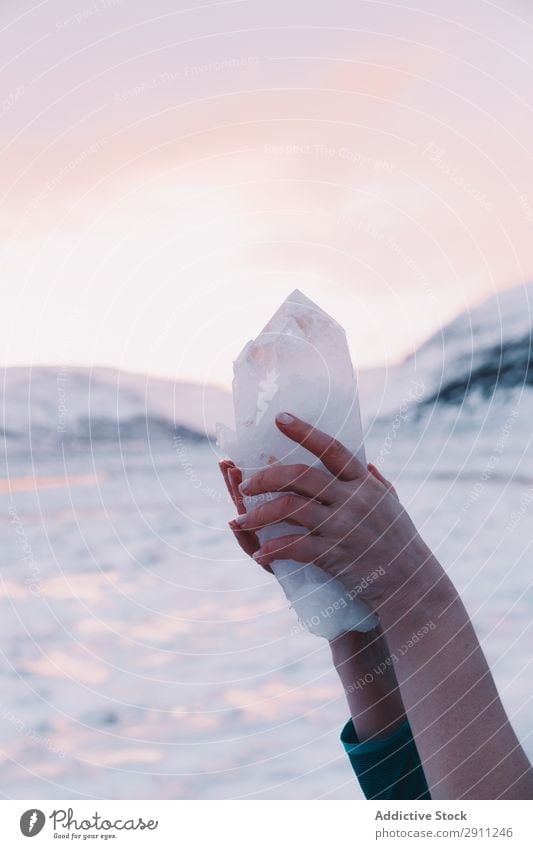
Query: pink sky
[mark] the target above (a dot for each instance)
(170, 176)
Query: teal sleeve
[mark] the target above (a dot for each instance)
(389, 768)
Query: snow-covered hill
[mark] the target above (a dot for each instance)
(485, 354)
(76, 404)
(483, 350)
(480, 362)
(462, 404)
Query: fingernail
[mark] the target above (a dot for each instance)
(285, 418)
(257, 554)
(245, 485)
(240, 520)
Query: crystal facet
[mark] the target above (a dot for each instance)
(299, 363)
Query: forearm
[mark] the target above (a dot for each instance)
(366, 671)
(355, 522)
(467, 746)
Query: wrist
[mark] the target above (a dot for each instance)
(352, 645)
(426, 591)
(363, 663)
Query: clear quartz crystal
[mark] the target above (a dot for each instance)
(299, 363)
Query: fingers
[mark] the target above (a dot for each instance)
(334, 455)
(249, 543)
(304, 548)
(235, 478)
(299, 478)
(247, 539)
(225, 466)
(232, 478)
(286, 508)
(377, 474)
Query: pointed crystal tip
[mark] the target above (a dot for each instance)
(297, 310)
(298, 297)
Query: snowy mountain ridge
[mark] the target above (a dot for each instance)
(485, 353)
(78, 404)
(484, 349)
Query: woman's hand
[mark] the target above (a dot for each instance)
(247, 539)
(350, 519)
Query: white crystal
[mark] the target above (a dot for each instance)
(300, 362)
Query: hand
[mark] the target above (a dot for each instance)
(350, 519)
(247, 539)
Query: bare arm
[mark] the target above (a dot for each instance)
(366, 671)
(350, 523)
(465, 741)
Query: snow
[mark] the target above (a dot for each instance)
(63, 399)
(144, 656)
